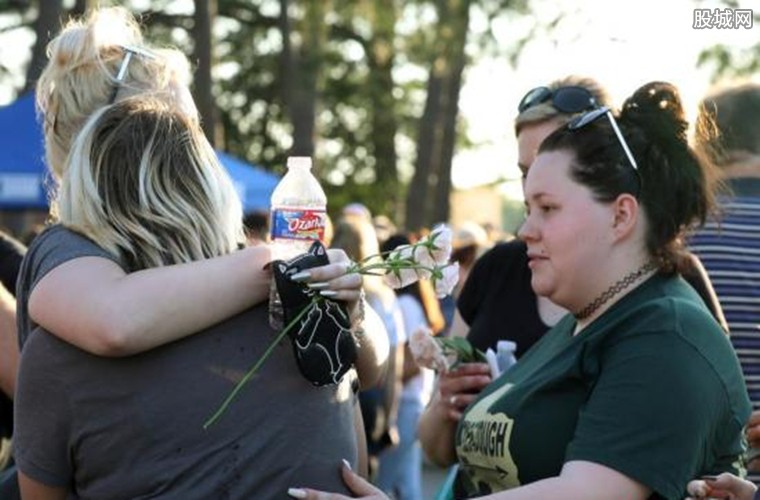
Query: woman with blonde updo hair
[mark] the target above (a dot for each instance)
(82, 75)
(143, 183)
(95, 63)
(116, 314)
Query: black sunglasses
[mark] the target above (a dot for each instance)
(570, 99)
(584, 119)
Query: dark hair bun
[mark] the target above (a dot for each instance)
(656, 108)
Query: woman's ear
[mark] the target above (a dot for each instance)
(625, 216)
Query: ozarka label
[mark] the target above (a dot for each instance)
(298, 224)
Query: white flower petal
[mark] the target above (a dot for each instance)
(402, 252)
(425, 260)
(427, 351)
(445, 284)
(399, 278)
(441, 237)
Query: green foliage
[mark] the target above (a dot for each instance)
(364, 108)
(732, 62)
(728, 62)
(462, 349)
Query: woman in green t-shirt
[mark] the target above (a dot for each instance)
(638, 390)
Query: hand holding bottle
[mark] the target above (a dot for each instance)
(298, 218)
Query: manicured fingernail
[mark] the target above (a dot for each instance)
(319, 285)
(348, 465)
(300, 276)
(296, 493)
(328, 293)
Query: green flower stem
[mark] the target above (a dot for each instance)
(364, 266)
(252, 371)
(392, 266)
(427, 243)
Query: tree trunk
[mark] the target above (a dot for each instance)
(419, 189)
(45, 27)
(302, 60)
(205, 13)
(428, 196)
(459, 22)
(383, 111)
(81, 6)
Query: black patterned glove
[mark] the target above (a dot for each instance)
(324, 347)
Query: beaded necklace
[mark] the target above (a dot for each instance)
(615, 289)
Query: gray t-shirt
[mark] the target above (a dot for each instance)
(51, 248)
(132, 427)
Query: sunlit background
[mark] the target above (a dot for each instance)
(622, 44)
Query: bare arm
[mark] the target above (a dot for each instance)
(92, 303)
(393, 380)
(578, 480)
(33, 490)
(582, 481)
(436, 432)
(392, 389)
(456, 390)
(8, 342)
(361, 441)
(374, 349)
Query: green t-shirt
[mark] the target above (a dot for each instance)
(652, 389)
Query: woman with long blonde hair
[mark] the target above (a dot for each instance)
(148, 255)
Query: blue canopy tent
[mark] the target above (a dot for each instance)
(253, 184)
(24, 176)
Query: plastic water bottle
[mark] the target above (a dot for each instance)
(298, 218)
(505, 354)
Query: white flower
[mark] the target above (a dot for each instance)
(401, 256)
(426, 351)
(424, 257)
(447, 281)
(400, 278)
(440, 244)
(405, 265)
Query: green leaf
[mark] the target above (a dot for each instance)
(462, 348)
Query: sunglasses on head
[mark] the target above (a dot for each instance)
(584, 119)
(129, 51)
(571, 99)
